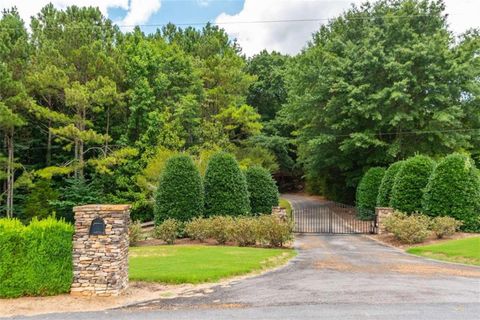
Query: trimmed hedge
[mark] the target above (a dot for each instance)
(35, 259)
(410, 182)
(180, 191)
(367, 191)
(385, 190)
(262, 188)
(225, 187)
(454, 190)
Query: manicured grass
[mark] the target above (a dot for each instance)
(285, 204)
(196, 263)
(461, 251)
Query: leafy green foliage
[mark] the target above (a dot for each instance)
(167, 231)
(44, 245)
(358, 94)
(410, 183)
(180, 191)
(262, 189)
(444, 226)
(226, 190)
(134, 233)
(367, 191)
(268, 93)
(75, 192)
(454, 190)
(409, 229)
(385, 190)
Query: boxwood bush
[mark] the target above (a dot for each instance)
(225, 187)
(367, 191)
(410, 182)
(454, 190)
(35, 259)
(180, 191)
(385, 190)
(262, 188)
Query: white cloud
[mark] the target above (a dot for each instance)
(292, 36)
(138, 11)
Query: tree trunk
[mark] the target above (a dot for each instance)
(106, 131)
(48, 158)
(10, 172)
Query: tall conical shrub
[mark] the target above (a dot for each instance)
(367, 191)
(180, 191)
(385, 190)
(262, 188)
(410, 183)
(225, 187)
(454, 190)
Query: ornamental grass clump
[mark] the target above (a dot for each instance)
(262, 189)
(454, 190)
(410, 183)
(180, 192)
(226, 190)
(367, 192)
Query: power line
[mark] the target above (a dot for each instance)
(235, 22)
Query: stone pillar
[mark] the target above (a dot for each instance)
(382, 213)
(279, 212)
(100, 250)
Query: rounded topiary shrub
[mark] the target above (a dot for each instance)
(385, 190)
(367, 191)
(262, 188)
(410, 182)
(454, 190)
(180, 192)
(225, 187)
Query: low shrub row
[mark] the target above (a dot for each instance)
(35, 259)
(415, 228)
(182, 193)
(265, 230)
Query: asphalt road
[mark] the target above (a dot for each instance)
(333, 277)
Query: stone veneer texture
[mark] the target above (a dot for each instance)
(100, 262)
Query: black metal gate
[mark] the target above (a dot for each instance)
(334, 218)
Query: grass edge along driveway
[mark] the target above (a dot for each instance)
(465, 251)
(199, 264)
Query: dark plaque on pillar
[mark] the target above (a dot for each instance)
(97, 227)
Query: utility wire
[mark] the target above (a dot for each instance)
(63, 27)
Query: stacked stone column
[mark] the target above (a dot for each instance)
(382, 213)
(100, 262)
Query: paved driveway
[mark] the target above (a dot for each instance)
(333, 277)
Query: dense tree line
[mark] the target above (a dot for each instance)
(88, 113)
(91, 114)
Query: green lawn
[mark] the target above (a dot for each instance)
(196, 264)
(462, 251)
(285, 204)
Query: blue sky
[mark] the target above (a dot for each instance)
(289, 37)
(185, 11)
